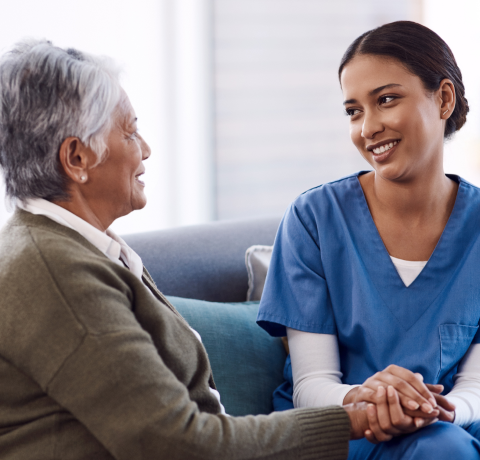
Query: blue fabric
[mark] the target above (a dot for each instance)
(246, 362)
(283, 395)
(331, 273)
(440, 441)
(474, 429)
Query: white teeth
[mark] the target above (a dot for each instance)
(384, 148)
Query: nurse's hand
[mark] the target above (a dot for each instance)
(445, 410)
(445, 407)
(383, 421)
(413, 393)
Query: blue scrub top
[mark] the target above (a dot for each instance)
(331, 273)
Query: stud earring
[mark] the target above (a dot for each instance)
(82, 178)
(444, 112)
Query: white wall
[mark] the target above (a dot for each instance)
(163, 47)
(457, 24)
(280, 124)
(238, 98)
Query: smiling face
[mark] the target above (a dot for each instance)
(394, 122)
(115, 184)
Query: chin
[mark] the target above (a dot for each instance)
(139, 204)
(393, 172)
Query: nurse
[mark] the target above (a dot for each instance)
(375, 277)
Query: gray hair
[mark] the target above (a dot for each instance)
(46, 95)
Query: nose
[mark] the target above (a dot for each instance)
(146, 151)
(372, 125)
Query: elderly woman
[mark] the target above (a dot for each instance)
(94, 361)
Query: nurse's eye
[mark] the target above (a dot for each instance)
(386, 99)
(351, 112)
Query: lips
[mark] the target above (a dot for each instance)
(383, 150)
(137, 178)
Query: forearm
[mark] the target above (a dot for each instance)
(465, 393)
(135, 406)
(316, 370)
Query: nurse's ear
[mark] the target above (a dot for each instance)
(446, 97)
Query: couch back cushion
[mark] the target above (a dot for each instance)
(203, 261)
(247, 363)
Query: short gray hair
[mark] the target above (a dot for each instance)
(46, 95)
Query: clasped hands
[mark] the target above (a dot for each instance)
(395, 401)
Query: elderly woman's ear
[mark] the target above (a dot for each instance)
(76, 159)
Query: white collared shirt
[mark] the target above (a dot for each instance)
(107, 242)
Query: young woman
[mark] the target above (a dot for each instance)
(375, 277)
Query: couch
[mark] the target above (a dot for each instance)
(201, 269)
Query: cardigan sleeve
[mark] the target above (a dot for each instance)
(137, 414)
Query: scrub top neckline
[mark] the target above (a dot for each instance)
(409, 303)
(409, 263)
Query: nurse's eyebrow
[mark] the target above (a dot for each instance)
(381, 88)
(373, 92)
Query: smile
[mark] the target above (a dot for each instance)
(137, 178)
(384, 148)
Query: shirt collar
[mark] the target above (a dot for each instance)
(107, 242)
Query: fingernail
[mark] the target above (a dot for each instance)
(391, 391)
(418, 422)
(413, 405)
(427, 408)
(433, 402)
(380, 391)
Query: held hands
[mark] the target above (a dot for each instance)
(410, 403)
(377, 422)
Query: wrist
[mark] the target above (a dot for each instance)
(350, 397)
(358, 419)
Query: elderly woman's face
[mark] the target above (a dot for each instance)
(118, 178)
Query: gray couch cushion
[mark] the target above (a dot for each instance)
(204, 262)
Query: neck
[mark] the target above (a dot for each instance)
(79, 206)
(415, 199)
